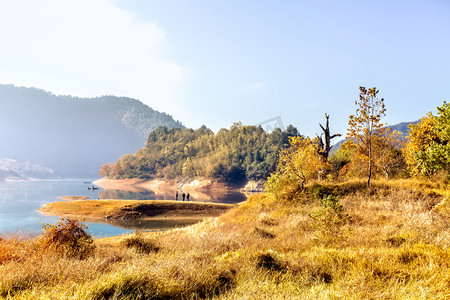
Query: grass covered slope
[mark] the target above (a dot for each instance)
(337, 241)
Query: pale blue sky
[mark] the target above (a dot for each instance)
(218, 62)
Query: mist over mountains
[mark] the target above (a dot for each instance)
(44, 135)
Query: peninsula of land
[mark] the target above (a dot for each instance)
(134, 209)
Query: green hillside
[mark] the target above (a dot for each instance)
(236, 154)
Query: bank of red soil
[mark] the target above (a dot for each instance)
(74, 198)
(130, 185)
(196, 187)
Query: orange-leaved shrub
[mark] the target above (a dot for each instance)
(68, 237)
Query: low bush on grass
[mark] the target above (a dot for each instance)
(328, 220)
(68, 237)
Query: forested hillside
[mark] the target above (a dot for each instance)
(73, 136)
(236, 154)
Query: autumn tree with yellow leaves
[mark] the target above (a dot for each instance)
(388, 158)
(365, 127)
(297, 164)
(428, 149)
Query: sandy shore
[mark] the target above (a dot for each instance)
(134, 209)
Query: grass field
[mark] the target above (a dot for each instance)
(387, 242)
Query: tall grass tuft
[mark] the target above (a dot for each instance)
(140, 243)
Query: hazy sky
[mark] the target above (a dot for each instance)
(217, 62)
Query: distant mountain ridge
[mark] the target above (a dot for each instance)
(70, 135)
(402, 127)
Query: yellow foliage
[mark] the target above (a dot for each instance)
(296, 165)
(365, 127)
(420, 138)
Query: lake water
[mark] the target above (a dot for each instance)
(20, 200)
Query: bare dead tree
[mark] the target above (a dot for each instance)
(324, 144)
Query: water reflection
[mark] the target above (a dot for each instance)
(129, 195)
(19, 202)
(229, 197)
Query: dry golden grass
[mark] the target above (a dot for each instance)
(389, 242)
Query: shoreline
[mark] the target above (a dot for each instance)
(197, 187)
(74, 198)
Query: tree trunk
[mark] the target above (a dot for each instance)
(325, 144)
(370, 162)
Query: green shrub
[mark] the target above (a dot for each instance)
(329, 219)
(320, 191)
(332, 202)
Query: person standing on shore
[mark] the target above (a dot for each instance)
(187, 197)
(183, 196)
(176, 196)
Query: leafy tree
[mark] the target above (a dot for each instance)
(440, 150)
(428, 149)
(388, 148)
(297, 164)
(365, 126)
(340, 161)
(188, 169)
(106, 170)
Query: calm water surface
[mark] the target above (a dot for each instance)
(20, 200)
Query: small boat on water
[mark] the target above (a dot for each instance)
(92, 188)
